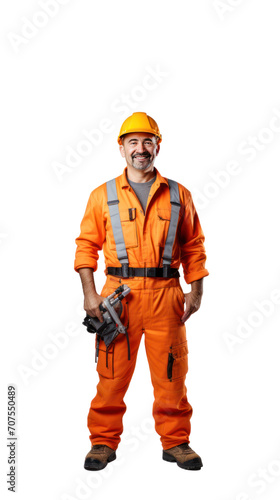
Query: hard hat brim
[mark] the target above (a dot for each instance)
(139, 131)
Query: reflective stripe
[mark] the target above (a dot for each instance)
(175, 209)
(113, 202)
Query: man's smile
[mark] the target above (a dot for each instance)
(141, 157)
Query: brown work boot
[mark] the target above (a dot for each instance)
(185, 457)
(99, 456)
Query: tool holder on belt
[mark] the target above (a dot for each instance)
(125, 271)
(111, 326)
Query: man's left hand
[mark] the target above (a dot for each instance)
(193, 299)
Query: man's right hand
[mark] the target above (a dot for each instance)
(91, 306)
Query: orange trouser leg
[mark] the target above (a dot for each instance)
(155, 308)
(108, 407)
(165, 335)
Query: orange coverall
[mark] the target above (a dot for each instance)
(153, 307)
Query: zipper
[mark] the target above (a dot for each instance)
(157, 185)
(137, 199)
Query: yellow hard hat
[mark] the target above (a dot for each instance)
(139, 122)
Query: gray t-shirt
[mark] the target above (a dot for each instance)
(142, 190)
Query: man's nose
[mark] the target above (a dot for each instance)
(141, 148)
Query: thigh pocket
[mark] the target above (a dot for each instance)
(105, 363)
(177, 365)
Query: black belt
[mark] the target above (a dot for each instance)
(144, 272)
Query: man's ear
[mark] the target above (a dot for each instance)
(158, 148)
(122, 150)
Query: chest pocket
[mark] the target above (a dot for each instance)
(163, 216)
(129, 228)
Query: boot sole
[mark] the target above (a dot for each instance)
(194, 464)
(97, 465)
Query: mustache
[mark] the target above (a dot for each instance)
(144, 155)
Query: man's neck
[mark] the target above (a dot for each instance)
(135, 175)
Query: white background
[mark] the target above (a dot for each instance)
(216, 90)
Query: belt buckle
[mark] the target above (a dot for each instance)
(125, 271)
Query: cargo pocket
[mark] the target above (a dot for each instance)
(105, 363)
(177, 365)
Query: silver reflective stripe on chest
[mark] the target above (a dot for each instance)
(113, 204)
(175, 209)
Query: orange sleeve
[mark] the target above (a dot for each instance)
(92, 235)
(191, 240)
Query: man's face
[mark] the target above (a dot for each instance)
(140, 150)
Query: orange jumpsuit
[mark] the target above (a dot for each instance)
(153, 307)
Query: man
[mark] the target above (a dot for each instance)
(147, 226)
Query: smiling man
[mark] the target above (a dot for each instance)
(140, 151)
(147, 226)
